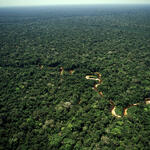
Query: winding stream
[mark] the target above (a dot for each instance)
(91, 77)
(62, 71)
(113, 112)
(97, 77)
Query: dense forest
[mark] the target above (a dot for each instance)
(64, 69)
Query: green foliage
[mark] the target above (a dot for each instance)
(41, 109)
(55, 141)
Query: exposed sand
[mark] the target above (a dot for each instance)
(147, 102)
(113, 112)
(91, 77)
